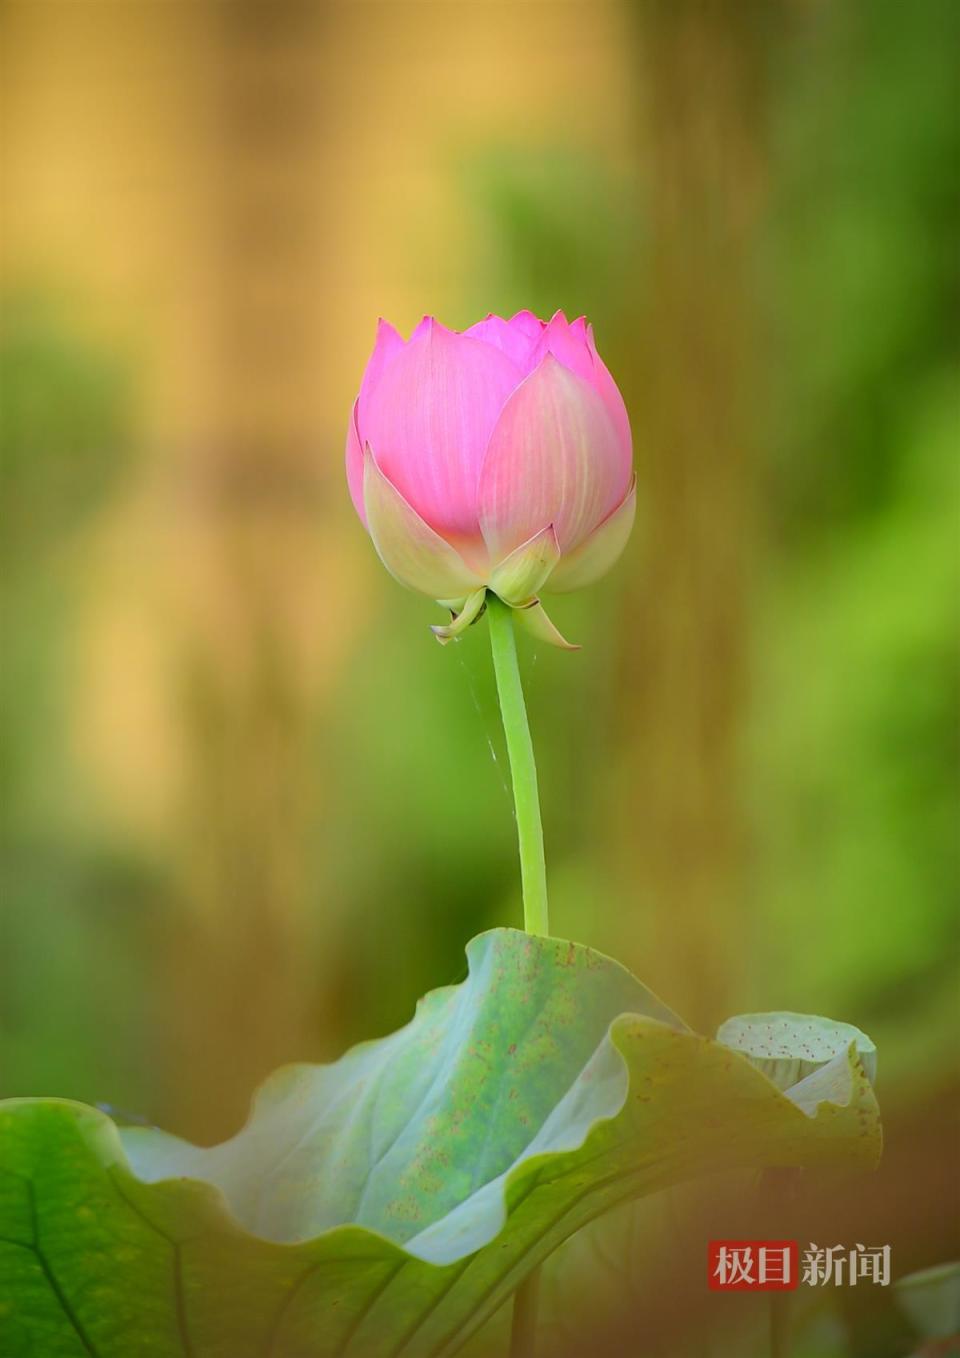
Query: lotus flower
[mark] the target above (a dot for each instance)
(494, 458)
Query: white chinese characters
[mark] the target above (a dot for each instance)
(755, 1264)
(823, 1264)
(780, 1265)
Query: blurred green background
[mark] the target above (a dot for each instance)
(250, 811)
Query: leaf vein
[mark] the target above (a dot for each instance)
(179, 1299)
(52, 1280)
(371, 1301)
(273, 1333)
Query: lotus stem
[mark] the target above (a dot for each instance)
(523, 768)
(533, 873)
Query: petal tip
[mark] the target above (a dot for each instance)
(534, 618)
(387, 333)
(472, 609)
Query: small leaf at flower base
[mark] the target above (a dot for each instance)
(468, 613)
(789, 1047)
(533, 618)
(519, 578)
(393, 1201)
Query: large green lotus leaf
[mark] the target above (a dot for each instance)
(388, 1204)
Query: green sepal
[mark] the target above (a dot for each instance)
(521, 576)
(469, 611)
(534, 619)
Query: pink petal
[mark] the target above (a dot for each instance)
(599, 551)
(421, 328)
(512, 340)
(575, 346)
(429, 421)
(568, 343)
(554, 457)
(610, 392)
(409, 548)
(387, 345)
(527, 324)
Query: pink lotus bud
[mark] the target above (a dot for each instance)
(497, 458)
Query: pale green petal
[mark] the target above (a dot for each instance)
(594, 557)
(534, 618)
(520, 577)
(409, 548)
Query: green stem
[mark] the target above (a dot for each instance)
(533, 873)
(523, 768)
